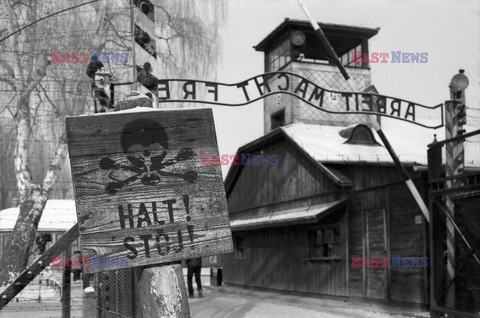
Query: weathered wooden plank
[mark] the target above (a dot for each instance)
(376, 245)
(293, 177)
(141, 191)
(278, 259)
(406, 239)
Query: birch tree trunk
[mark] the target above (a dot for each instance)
(26, 72)
(33, 198)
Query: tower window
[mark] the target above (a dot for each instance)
(278, 119)
(279, 57)
(354, 58)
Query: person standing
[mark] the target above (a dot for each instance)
(194, 266)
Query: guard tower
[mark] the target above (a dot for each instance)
(294, 47)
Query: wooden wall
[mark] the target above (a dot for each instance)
(356, 244)
(409, 239)
(365, 176)
(402, 237)
(295, 176)
(278, 258)
(380, 221)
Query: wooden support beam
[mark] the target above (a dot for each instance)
(37, 266)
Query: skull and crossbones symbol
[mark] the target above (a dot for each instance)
(145, 144)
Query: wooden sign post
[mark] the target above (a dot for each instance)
(142, 195)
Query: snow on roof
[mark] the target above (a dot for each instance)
(324, 144)
(58, 215)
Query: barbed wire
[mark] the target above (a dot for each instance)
(51, 15)
(30, 140)
(67, 181)
(15, 219)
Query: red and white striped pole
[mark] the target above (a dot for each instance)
(454, 165)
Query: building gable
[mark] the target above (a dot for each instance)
(294, 176)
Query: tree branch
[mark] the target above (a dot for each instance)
(38, 77)
(63, 91)
(56, 164)
(48, 98)
(21, 162)
(35, 112)
(9, 82)
(122, 38)
(7, 67)
(12, 26)
(7, 106)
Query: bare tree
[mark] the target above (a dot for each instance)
(29, 73)
(42, 93)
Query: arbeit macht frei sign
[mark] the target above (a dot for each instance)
(141, 191)
(261, 86)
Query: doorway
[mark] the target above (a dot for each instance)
(376, 279)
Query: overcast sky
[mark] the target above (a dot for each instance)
(448, 30)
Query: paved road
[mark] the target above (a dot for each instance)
(232, 302)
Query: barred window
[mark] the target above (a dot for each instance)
(325, 241)
(279, 57)
(354, 58)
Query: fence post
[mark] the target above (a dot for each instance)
(89, 306)
(66, 284)
(435, 170)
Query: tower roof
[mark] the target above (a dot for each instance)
(342, 37)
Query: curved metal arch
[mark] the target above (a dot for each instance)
(268, 75)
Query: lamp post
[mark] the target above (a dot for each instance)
(458, 84)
